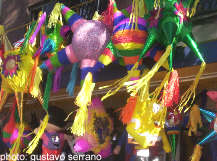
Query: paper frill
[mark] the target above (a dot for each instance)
(194, 120)
(33, 144)
(139, 85)
(197, 153)
(82, 101)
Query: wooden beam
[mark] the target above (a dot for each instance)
(208, 80)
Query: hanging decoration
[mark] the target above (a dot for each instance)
(208, 138)
(172, 27)
(97, 137)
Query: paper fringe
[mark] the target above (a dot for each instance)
(4, 39)
(116, 86)
(194, 120)
(193, 10)
(134, 14)
(83, 100)
(190, 93)
(127, 111)
(157, 92)
(15, 150)
(55, 16)
(3, 98)
(197, 153)
(141, 85)
(156, 4)
(171, 92)
(33, 144)
(166, 144)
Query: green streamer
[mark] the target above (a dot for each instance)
(47, 90)
(174, 145)
(171, 59)
(27, 36)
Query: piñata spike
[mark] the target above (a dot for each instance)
(209, 114)
(71, 17)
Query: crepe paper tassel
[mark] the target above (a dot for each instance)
(40, 23)
(57, 79)
(127, 111)
(134, 14)
(166, 144)
(33, 74)
(172, 90)
(47, 90)
(27, 36)
(143, 82)
(194, 120)
(8, 129)
(4, 40)
(97, 16)
(3, 98)
(83, 100)
(155, 95)
(193, 10)
(197, 153)
(73, 77)
(2, 51)
(55, 16)
(190, 93)
(33, 144)
(209, 114)
(173, 143)
(109, 14)
(120, 83)
(16, 146)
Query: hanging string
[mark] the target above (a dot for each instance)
(98, 3)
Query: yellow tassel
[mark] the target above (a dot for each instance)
(197, 153)
(193, 10)
(33, 144)
(190, 93)
(97, 16)
(120, 83)
(83, 100)
(55, 16)
(3, 98)
(4, 39)
(134, 14)
(156, 4)
(15, 150)
(37, 80)
(156, 93)
(194, 120)
(136, 86)
(142, 9)
(40, 98)
(166, 144)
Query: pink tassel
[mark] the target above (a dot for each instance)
(57, 79)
